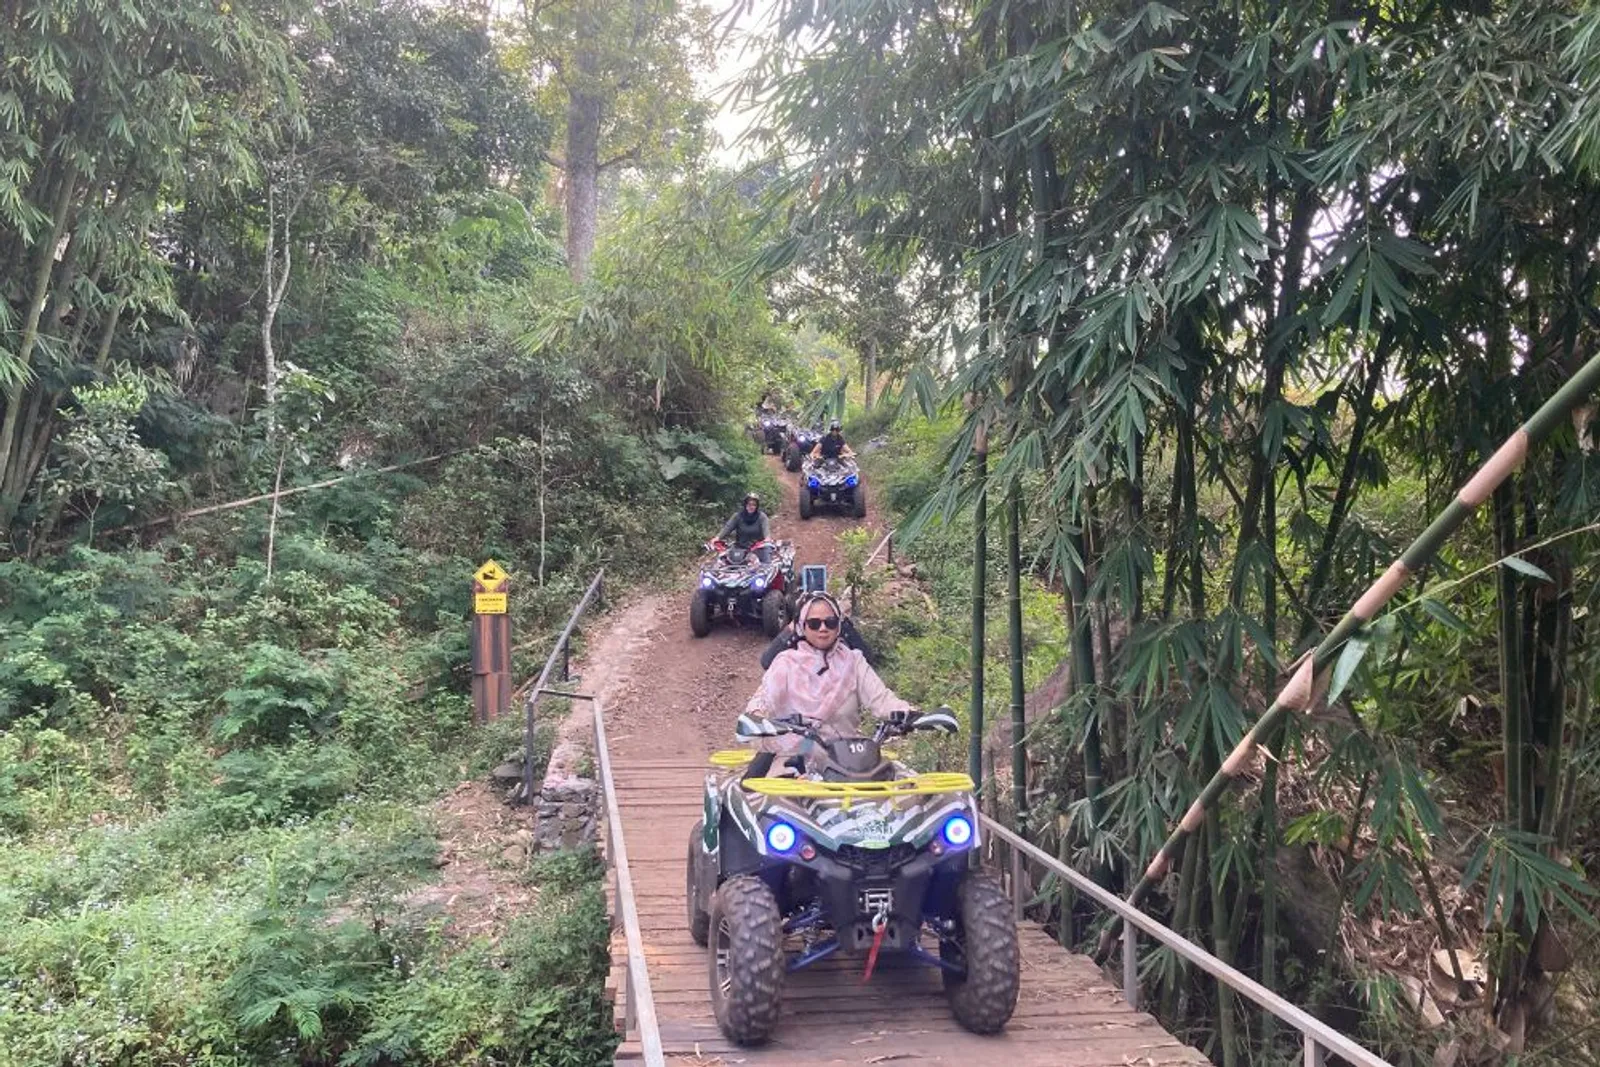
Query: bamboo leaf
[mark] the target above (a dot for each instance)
(1522, 566)
(1349, 659)
(1444, 615)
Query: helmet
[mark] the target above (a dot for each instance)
(806, 600)
(753, 496)
(834, 426)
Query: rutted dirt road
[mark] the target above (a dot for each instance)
(668, 693)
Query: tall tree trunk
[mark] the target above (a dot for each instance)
(585, 109)
(10, 494)
(275, 280)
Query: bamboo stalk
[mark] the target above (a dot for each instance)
(1019, 725)
(980, 558)
(1307, 682)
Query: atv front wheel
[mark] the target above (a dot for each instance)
(699, 615)
(986, 944)
(805, 502)
(858, 502)
(772, 613)
(699, 920)
(746, 960)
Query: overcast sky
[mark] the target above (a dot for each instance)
(733, 59)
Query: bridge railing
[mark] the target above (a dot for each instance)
(561, 650)
(1318, 1039)
(639, 1006)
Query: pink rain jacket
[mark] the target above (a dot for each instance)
(833, 699)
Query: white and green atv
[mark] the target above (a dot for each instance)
(854, 854)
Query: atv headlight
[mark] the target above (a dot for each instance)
(957, 831)
(757, 584)
(850, 482)
(814, 483)
(707, 582)
(781, 837)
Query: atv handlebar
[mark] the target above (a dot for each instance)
(898, 724)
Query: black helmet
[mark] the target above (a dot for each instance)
(834, 426)
(753, 496)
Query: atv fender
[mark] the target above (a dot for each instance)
(738, 854)
(711, 816)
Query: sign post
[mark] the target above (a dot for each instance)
(491, 643)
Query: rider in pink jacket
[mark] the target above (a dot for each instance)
(826, 682)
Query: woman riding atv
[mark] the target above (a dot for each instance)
(750, 527)
(821, 680)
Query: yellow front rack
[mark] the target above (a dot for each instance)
(738, 757)
(939, 782)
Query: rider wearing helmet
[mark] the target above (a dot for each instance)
(831, 444)
(749, 527)
(822, 681)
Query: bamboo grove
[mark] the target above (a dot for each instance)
(1216, 276)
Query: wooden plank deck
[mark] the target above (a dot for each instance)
(1068, 1014)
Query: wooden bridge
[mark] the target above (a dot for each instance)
(1067, 1014)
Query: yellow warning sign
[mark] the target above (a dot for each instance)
(490, 575)
(488, 603)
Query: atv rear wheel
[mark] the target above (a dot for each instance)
(699, 615)
(858, 501)
(772, 613)
(791, 460)
(805, 502)
(746, 960)
(699, 920)
(984, 998)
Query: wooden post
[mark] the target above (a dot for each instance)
(491, 643)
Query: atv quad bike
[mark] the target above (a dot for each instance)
(801, 442)
(854, 855)
(774, 433)
(736, 585)
(832, 483)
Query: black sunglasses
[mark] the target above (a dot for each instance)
(829, 623)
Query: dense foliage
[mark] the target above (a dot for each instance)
(1240, 294)
(308, 247)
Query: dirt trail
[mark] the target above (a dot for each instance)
(669, 693)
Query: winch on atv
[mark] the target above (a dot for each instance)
(848, 852)
(834, 483)
(738, 585)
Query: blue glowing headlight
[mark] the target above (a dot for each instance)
(850, 482)
(781, 837)
(757, 584)
(957, 831)
(814, 483)
(706, 581)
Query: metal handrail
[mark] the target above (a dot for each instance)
(1320, 1039)
(561, 648)
(638, 1001)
